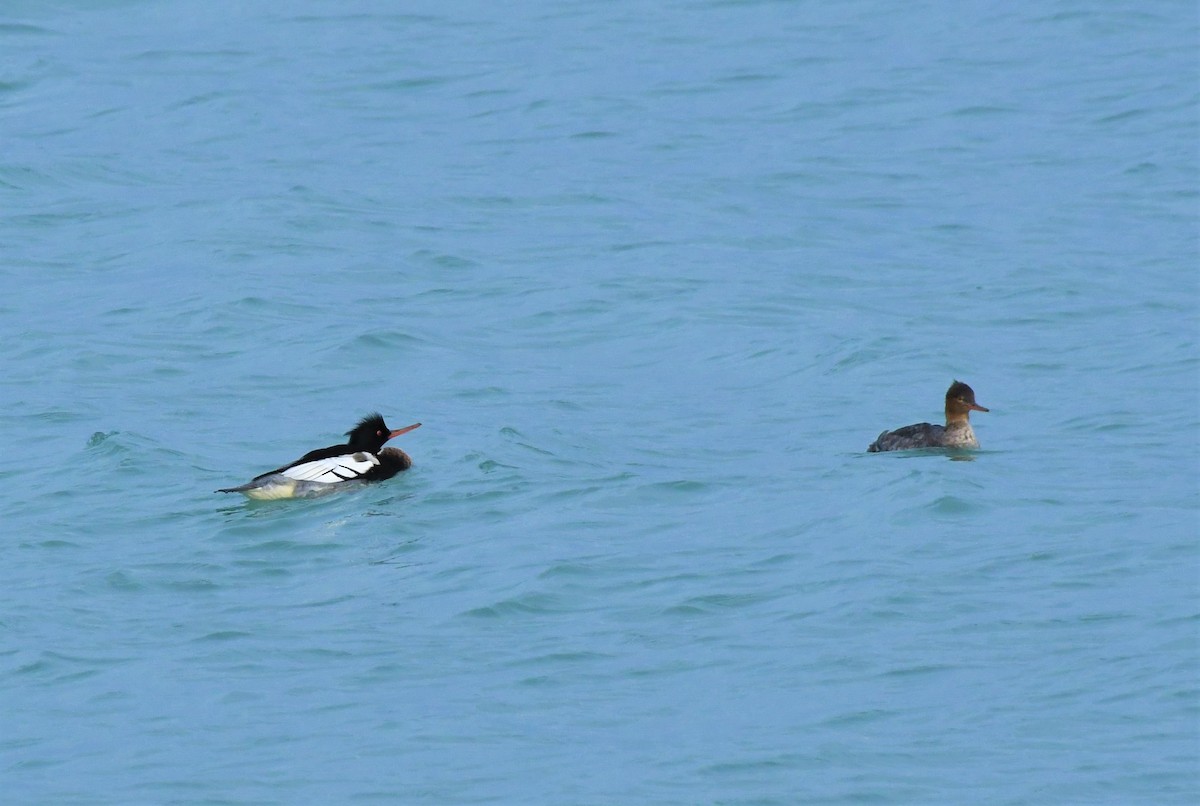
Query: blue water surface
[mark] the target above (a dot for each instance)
(652, 276)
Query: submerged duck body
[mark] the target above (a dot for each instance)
(956, 433)
(362, 459)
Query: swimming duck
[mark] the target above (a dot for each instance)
(363, 458)
(957, 433)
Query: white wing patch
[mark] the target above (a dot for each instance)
(334, 469)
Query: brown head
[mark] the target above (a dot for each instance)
(960, 402)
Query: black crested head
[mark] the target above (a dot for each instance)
(370, 433)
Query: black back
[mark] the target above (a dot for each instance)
(368, 436)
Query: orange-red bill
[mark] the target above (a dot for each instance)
(971, 406)
(408, 428)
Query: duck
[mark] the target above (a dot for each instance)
(956, 433)
(363, 458)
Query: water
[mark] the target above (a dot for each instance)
(653, 278)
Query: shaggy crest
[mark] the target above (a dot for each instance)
(960, 390)
(371, 424)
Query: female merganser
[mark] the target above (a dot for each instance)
(362, 458)
(957, 433)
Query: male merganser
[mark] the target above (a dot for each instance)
(957, 433)
(362, 458)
